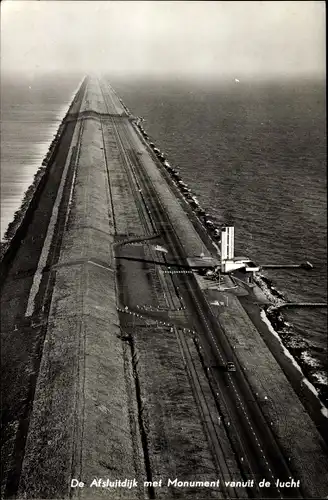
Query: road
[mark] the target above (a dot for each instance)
(132, 350)
(254, 444)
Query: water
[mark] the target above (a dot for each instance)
(31, 111)
(255, 156)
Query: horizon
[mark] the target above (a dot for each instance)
(181, 40)
(176, 79)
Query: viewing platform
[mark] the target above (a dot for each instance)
(298, 304)
(304, 265)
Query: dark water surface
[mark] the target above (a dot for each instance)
(254, 154)
(31, 111)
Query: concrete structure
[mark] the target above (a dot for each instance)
(229, 262)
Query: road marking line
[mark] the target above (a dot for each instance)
(238, 397)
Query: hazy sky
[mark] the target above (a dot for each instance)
(212, 39)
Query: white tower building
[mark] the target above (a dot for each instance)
(228, 260)
(227, 243)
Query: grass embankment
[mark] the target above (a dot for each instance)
(81, 404)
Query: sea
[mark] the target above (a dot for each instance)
(32, 108)
(254, 154)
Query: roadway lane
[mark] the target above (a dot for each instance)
(261, 456)
(157, 289)
(253, 442)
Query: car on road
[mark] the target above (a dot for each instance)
(227, 367)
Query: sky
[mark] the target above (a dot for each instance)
(215, 39)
